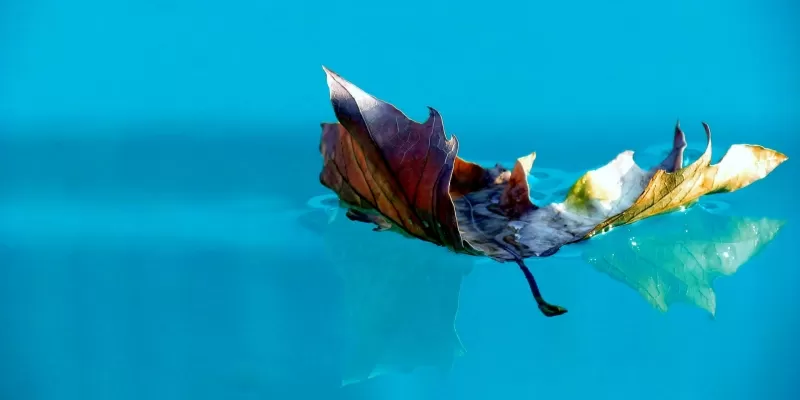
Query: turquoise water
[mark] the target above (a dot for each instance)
(162, 234)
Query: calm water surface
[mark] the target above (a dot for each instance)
(161, 234)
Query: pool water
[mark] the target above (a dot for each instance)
(164, 235)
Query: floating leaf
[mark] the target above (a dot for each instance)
(677, 259)
(404, 176)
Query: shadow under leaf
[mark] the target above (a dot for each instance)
(675, 258)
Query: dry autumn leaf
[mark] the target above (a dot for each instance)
(668, 190)
(404, 176)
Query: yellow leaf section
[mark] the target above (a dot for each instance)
(607, 191)
(667, 191)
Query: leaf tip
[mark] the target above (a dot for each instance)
(515, 199)
(775, 158)
(706, 128)
(679, 141)
(334, 80)
(526, 163)
(433, 113)
(330, 75)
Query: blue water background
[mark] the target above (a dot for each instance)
(154, 155)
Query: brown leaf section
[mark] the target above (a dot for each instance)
(342, 163)
(377, 159)
(515, 199)
(469, 177)
(742, 165)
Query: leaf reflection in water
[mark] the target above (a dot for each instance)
(401, 297)
(675, 258)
